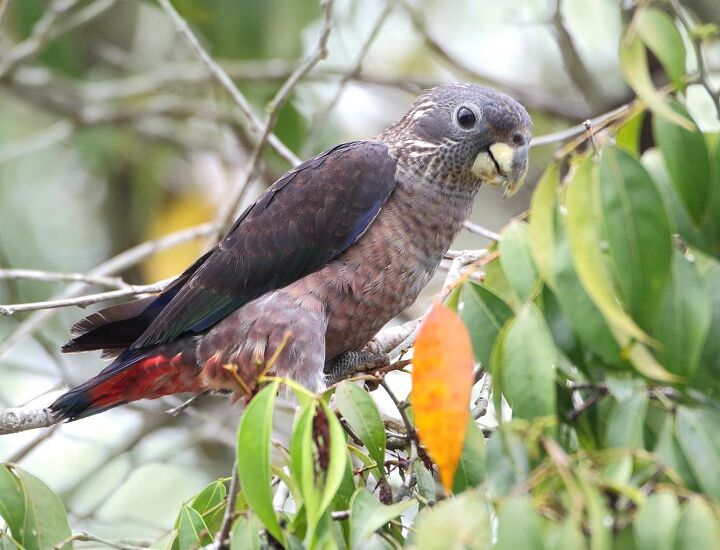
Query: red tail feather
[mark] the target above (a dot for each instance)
(147, 378)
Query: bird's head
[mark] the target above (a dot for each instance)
(463, 135)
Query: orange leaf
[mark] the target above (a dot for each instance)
(442, 381)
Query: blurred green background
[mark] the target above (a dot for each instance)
(113, 133)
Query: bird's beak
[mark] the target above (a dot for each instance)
(501, 164)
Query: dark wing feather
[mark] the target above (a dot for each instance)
(305, 219)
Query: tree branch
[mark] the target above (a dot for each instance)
(219, 73)
(55, 277)
(114, 265)
(320, 52)
(21, 419)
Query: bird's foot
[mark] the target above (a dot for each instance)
(353, 362)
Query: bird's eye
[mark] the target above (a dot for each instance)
(465, 118)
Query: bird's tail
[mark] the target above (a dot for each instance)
(134, 375)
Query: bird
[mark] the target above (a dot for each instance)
(314, 268)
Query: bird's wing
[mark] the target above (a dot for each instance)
(305, 219)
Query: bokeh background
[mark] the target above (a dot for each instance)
(113, 133)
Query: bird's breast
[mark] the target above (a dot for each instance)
(383, 273)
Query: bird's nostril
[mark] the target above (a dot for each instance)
(518, 139)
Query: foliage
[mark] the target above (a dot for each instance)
(599, 321)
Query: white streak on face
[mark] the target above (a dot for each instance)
(420, 144)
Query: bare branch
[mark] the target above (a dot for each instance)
(222, 538)
(581, 77)
(321, 116)
(26, 449)
(116, 264)
(219, 73)
(697, 42)
(320, 52)
(531, 98)
(87, 537)
(21, 419)
(87, 299)
(39, 35)
(483, 399)
(3, 8)
(54, 277)
(40, 140)
(596, 123)
(480, 230)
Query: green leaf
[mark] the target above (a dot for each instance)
(338, 458)
(209, 503)
(302, 456)
(460, 522)
(670, 453)
(12, 500)
(627, 421)
(34, 514)
(629, 134)
(542, 223)
(318, 488)
(508, 464)
(566, 536)
(584, 237)
(709, 372)
(683, 320)
(528, 372)
(245, 534)
(358, 408)
(681, 221)
(426, 484)
(484, 313)
(367, 515)
(471, 468)
(253, 456)
(634, 66)
(591, 269)
(597, 512)
(699, 527)
(584, 317)
(518, 525)
(516, 260)
(698, 433)
(637, 230)
(192, 531)
(656, 521)
(687, 160)
(659, 33)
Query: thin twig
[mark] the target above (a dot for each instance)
(26, 449)
(320, 117)
(483, 399)
(3, 8)
(576, 69)
(39, 35)
(480, 230)
(599, 121)
(35, 142)
(222, 539)
(88, 299)
(87, 537)
(114, 265)
(533, 97)
(697, 42)
(319, 52)
(219, 73)
(54, 277)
